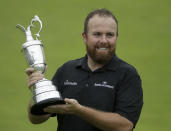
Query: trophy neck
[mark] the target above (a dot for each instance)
(29, 36)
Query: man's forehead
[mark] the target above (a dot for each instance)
(101, 18)
(102, 23)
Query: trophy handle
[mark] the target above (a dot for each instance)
(36, 19)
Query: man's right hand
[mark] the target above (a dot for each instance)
(33, 76)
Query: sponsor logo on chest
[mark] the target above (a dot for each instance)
(104, 84)
(70, 83)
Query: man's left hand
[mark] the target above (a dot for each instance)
(70, 107)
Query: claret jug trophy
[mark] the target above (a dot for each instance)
(44, 92)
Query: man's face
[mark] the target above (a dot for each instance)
(101, 39)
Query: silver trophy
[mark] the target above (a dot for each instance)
(44, 92)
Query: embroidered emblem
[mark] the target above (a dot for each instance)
(70, 83)
(104, 84)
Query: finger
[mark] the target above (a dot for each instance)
(29, 71)
(38, 78)
(55, 109)
(34, 78)
(59, 106)
(31, 83)
(36, 74)
(70, 101)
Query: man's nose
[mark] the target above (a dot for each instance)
(103, 39)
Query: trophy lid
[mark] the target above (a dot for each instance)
(31, 43)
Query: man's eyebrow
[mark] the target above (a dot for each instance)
(110, 32)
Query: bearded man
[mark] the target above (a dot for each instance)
(101, 91)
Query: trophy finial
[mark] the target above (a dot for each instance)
(36, 19)
(28, 30)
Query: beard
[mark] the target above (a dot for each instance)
(100, 57)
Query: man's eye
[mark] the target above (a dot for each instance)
(96, 34)
(110, 34)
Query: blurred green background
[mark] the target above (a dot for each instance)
(144, 41)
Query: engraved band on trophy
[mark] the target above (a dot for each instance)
(44, 92)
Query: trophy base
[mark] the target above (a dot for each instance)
(37, 109)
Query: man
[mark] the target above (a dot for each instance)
(102, 92)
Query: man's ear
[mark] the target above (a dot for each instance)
(84, 37)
